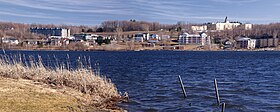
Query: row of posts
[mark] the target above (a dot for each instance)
(216, 91)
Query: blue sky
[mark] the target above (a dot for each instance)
(93, 12)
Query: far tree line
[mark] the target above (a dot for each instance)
(20, 30)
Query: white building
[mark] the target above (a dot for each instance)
(226, 25)
(245, 43)
(146, 36)
(154, 38)
(139, 37)
(91, 37)
(248, 26)
(85, 36)
(199, 28)
(200, 39)
(10, 40)
(59, 32)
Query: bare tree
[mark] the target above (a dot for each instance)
(119, 32)
(145, 27)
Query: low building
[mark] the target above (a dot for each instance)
(138, 38)
(10, 40)
(36, 42)
(154, 38)
(199, 28)
(91, 37)
(59, 32)
(200, 39)
(141, 37)
(82, 36)
(266, 41)
(248, 26)
(59, 42)
(245, 43)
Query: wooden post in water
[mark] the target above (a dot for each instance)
(98, 69)
(223, 107)
(182, 86)
(217, 92)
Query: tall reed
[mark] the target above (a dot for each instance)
(82, 78)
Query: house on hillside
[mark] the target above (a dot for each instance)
(141, 37)
(154, 38)
(10, 40)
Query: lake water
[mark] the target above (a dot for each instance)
(247, 81)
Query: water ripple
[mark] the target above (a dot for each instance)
(247, 81)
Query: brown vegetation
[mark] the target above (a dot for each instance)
(100, 92)
(111, 26)
(19, 95)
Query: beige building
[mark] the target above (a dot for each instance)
(248, 26)
(199, 28)
(226, 25)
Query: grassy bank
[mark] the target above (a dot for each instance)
(90, 90)
(18, 95)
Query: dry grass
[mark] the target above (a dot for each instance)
(18, 95)
(99, 89)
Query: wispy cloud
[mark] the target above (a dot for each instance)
(85, 6)
(167, 11)
(235, 1)
(256, 19)
(34, 15)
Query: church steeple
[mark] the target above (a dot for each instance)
(226, 19)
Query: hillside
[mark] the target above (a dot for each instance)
(35, 87)
(25, 95)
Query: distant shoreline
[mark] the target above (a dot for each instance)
(100, 50)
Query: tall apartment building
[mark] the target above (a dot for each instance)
(59, 32)
(198, 39)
